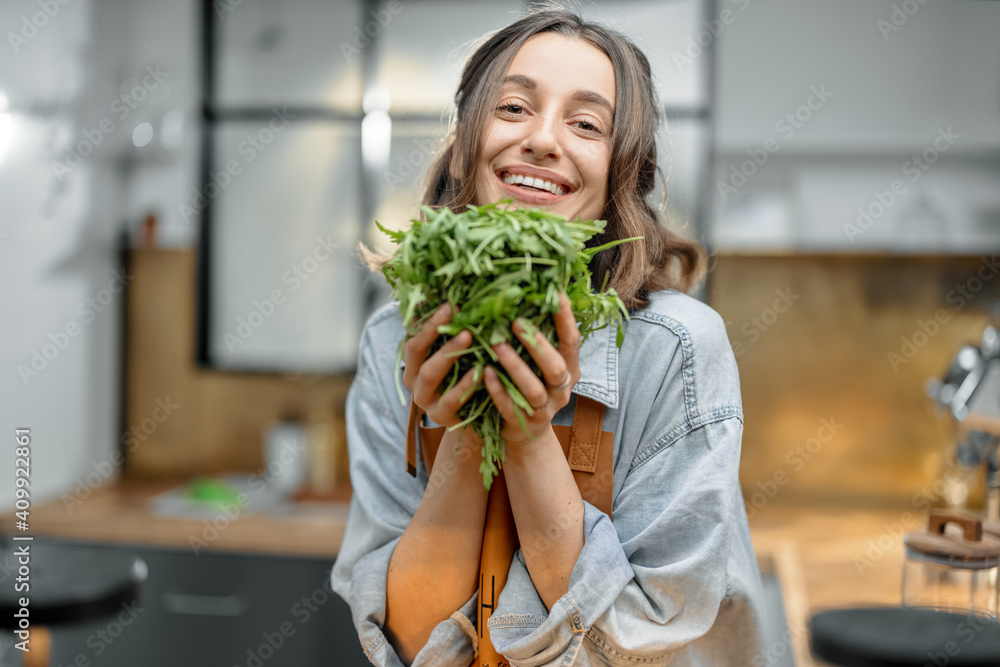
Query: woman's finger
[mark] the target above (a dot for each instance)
(416, 348)
(516, 419)
(453, 399)
(569, 339)
(553, 363)
(522, 376)
(437, 366)
(498, 393)
(428, 333)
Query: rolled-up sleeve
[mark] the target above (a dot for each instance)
(652, 582)
(384, 501)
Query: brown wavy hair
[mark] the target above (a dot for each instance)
(662, 260)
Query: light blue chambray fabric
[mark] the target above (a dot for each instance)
(672, 580)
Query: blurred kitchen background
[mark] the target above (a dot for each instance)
(184, 186)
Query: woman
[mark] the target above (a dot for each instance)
(553, 112)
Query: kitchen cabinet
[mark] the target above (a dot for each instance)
(220, 609)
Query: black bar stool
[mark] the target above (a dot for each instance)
(66, 584)
(901, 637)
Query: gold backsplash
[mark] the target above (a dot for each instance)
(834, 354)
(182, 420)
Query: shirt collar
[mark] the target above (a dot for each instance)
(599, 367)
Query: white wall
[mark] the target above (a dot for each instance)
(822, 108)
(889, 83)
(58, 230)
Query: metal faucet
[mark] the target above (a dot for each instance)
(970, 392)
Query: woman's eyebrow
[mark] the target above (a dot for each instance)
(520, 80)
(582, 95)
(590, 96)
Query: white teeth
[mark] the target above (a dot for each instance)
(519, 179)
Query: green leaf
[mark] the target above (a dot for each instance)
(496, 264)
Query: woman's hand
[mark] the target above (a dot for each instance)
(560, 369)
(424, 375)
(434, 568)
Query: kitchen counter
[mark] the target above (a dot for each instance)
(122, 513)
(828, 557)
(823, 556)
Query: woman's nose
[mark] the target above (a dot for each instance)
(542, 138)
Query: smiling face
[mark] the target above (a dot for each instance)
(548, 144)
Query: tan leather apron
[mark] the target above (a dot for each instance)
(590, 453)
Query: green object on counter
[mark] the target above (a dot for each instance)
(211, 491)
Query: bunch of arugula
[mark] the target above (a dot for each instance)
(496, 265)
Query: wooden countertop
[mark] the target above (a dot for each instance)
(829, 557)
(847, 556)
(824, 556)
(122, 513)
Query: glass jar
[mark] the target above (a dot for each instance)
(992, 528)
(951, 573)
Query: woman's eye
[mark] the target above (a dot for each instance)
(510, 107)
(587, 126)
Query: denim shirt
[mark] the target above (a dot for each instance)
(673, 579)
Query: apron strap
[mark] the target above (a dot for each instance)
(589, 450)
(411, 446)
(585, 438)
